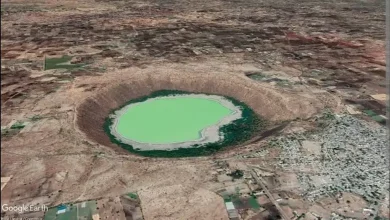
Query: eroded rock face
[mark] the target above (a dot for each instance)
(272, 105)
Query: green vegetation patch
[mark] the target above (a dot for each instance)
(61, 63)
(234, 133)
(6, 132)
(232, 198)
(133, 195)
(13, 129)
(253, 203)
(378, 118)
(375, 116)
(370, 112)
(237, 174)
(36, 118)
(18, 125)
(82, 210)
(258, 76)
(227, 199)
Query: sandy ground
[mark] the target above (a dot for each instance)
(328, 51)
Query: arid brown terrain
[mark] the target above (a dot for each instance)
(290, 61)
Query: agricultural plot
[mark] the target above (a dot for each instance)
(83, 210)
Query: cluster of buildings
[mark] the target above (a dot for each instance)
(348, 156)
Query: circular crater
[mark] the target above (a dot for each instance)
(238, 109)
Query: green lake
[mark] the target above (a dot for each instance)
(167, 120)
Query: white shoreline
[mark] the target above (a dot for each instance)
(208, 135)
